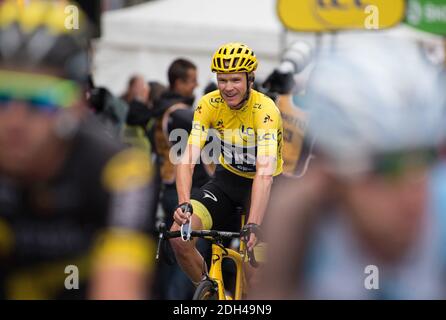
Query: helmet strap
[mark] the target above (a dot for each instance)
(249, 80)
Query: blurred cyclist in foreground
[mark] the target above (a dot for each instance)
(368, 221)
(73, 204)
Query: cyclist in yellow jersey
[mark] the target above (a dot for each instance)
(249, 127)
(238, 129)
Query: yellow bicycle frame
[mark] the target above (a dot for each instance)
(216, 274)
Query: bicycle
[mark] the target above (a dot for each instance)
(212, 287)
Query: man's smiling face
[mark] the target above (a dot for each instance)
(232, 87)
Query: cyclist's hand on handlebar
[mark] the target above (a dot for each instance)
(181, 217)
(251, 242)
(250, 234)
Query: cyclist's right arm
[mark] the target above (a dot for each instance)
(185, 171)
(185, 168)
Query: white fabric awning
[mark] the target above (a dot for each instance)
(147, 37)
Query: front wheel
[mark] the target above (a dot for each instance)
(206, 290)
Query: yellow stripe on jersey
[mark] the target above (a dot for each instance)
(128, 170)
(124, 248)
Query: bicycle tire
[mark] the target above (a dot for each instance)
(206, 290)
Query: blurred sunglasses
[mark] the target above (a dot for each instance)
(394, 165)
(41, 93)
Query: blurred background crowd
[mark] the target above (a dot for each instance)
(364, 116)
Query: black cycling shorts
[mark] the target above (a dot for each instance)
(215, 203)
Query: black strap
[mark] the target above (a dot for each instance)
(185, 207)
(249, 228)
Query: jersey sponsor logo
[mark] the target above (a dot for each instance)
(249, 131)
(244, 108)
(240, 158)
(244, 167)
(267, 136)
(216, 101)
(247, 134)
(199, 109)
(267, 119)
(220, 126)
(208, 194)
(198, 127)
(257, 106)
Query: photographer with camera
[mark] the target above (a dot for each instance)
(282, 87)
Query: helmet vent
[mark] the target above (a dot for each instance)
(234, 57)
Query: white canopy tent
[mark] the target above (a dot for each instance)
(146, 38)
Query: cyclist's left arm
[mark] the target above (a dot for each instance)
(268, 135)
(260, 193)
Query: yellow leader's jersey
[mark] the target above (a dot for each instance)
(253, 130)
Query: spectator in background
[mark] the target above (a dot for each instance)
(137, 89)
(174, 111)
(138, 131)
(137, 97)
(156, 91)
(108, 109)
(281, 86)
(211, 86)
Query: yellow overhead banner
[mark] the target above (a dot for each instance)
(325, 15)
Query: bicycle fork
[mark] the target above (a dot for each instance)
(216, 272)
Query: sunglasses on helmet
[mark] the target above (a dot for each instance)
(42, 93)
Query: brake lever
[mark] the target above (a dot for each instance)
(245, 234)
(186, 228)
(252, 259)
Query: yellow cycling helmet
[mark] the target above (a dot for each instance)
(234, 57)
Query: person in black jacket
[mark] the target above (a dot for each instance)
(174, 110)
